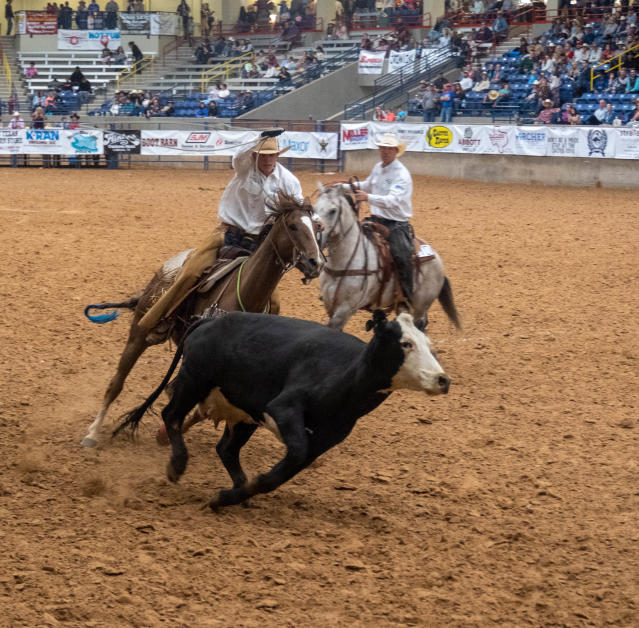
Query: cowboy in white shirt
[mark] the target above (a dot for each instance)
(388, 190)
(243, 212)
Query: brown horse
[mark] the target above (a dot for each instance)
(291, 241)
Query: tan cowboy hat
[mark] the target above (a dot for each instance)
(493, 94)
(390, 140)
(269, 146)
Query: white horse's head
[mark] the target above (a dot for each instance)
(334, 211)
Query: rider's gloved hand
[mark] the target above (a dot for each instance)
(274, 132)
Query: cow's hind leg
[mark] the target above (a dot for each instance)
(228, 449)
(135, 347)
(183, 401)
(290, 423)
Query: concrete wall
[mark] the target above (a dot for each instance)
(318, 100)
(575, 172)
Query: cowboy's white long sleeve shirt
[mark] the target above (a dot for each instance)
(243, 203)
(389, 191)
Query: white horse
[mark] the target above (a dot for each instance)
(351, 277)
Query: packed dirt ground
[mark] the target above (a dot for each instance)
(511, 501)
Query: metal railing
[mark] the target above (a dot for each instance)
(611, 64)
(135, 70)
(7, 70)
(223, 70)
(392, 86)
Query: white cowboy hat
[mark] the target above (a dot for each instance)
(16, 113)
(269, 146)
(390, 140)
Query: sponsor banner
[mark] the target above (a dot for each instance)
(354, 136)
(397, 60)
(135, 22)
(412, 134)
(627, 144)
(51, 142)
(596, 142)
(468, 139)
(530, 140)
(38, 23)
(501, 140)
(562, 141)
(163, 23)
(11, 141)
(223, 143)
(439, 138)
(87, 40)
(122, 142)
(311, 145)
(371, 62)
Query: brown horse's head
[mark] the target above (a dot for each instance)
(294, 235)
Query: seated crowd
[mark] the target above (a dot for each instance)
(62, 96)
(548, 79)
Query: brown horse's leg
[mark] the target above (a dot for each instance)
(135, 347)
(275, 302)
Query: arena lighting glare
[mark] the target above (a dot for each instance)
(273, 18)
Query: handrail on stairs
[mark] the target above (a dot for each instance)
(136, 69)
(611, 65)
(223, 70)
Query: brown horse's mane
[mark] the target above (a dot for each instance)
(286, 204)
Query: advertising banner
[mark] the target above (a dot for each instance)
(40, 23)
(354, 136)
(399, 60)
(87, 40)
(122, 142)
(412, 134)
(468, 139)
(596, 142)
(310, 145)
(440, 138)
(51, 142)
(11, 141)
(627, 143)
(530, 140)
(222, 143)
(562, 141)
(371, 62)
(135, 22)
(163, 23)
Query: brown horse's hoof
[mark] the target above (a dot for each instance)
(161, 437)
(171, 474)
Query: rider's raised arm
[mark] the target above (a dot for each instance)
(243, 161)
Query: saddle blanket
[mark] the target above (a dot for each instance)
(425, 250)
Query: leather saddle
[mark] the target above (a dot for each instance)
(228, 259)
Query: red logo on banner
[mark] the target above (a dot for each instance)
(74, 40)
(197, 138)
(104, 40)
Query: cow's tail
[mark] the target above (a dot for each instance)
(448, 304)
(100, 319)
(131, 420)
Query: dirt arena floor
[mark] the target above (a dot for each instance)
(513, 501)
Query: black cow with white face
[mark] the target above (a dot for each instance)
(306, 383)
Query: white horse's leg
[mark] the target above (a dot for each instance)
(341, 315)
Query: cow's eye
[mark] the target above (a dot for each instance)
(293, 227)
(407, 345)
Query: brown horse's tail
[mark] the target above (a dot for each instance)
(131, 304)
(448, 304)
(131, 420)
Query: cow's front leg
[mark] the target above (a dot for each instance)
(290, 423)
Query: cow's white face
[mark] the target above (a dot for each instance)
(420, 370)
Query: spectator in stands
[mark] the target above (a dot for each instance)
(599, 113)
(547, 114)
(8, 15)
(484, 35)
(224, 92)
(119, 57)
(482, 84)
(573, 117)
(633, 120)
(49, 103)
(594, 56)
(478, 7)
(184, 11)
(284, 76)
(633, 82)
(137, 56)
(54, 85)
(37, 118)
(31, 71)
(205, 15)
(214, 91)
(446, 99)
(202, 110)
(76, 76)
(111, 9)
(212, 109)
(390, 115)
(17, 121)
(82, 16)
(85, 90)
(379, 115)
(430, 100)
(500, 27)
(37, 100)
(466, 82)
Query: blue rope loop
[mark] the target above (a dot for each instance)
(100, 319)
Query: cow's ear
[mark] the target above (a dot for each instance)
(378, 322)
